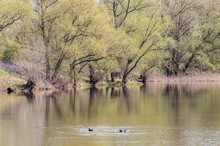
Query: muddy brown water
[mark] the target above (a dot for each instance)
(157, 114)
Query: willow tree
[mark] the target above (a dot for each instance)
(207, 57)
(66, 28)
(140, 22)
(84, 35)
(11, 12)
(120, 11)
(151, 35)
(194, 26)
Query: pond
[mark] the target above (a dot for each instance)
(156, 114)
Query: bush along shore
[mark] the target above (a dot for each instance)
(12, 83)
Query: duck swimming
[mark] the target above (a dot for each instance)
(90, 130)
(120, 130)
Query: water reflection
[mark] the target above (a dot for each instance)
(155, 114)
(29, 95)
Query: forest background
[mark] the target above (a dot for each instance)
(116, 42)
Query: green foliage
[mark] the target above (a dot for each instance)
(10, 53)
(3, 73)
(12, 11)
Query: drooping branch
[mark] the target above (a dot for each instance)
(149, 31)
(140, 57)
(89, 61)
(58, 64)
(6, 24)
(84, 60)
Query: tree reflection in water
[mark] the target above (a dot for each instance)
(29, 95)
(87, 103)
(54, 97)
(175, 113)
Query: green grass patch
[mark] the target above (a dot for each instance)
(102, 84)
(134, 83)
(4, 73)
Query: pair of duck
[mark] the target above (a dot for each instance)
(120, 130)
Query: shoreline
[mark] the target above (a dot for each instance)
(199, 77)
(8, 80)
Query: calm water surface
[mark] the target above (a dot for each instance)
(158, 114)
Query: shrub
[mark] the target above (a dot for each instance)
(3, 73)
(9, 53)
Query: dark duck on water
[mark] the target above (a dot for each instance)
(122, 130)
(90, 130)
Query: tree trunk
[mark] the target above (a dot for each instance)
(92, 78)
(174, 70)
(112, 77)
(74, 77)
(57, 67)
(125, 74)
(46, 42)
(167, 71)
(29, 85)
(47, 59)
(143, 79)
(188, 63)
(124, 80)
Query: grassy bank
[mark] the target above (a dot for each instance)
(9, 80)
